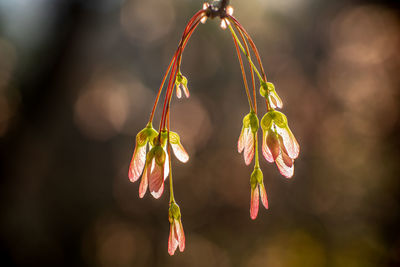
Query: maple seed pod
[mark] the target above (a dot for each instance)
(273, 143)
(181, 85)
(176, 234)
(254, 123)
(257, 191)
(268, 91)
(279, 119)
(156, 170)
(246, 138)
(137, 164)
(266, 122)
(174, 211)
(256, 177)
(179, 150)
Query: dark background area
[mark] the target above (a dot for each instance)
(78, 80)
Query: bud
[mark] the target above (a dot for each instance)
(181, 85)
(268, 91)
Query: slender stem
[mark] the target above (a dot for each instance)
(160, 90)
(256, 160)
(242, 68)
(175, 70)
(200, 12)
(171, 186)
(181, 46)
(251, 71)
(173, 74)
(253, 46)
(241, 29)
(177, 57)
(244, 52)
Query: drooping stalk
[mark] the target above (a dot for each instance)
(243, 72)
(253, 46)
(160, 90)
(241, 30)
(256, 160)
(244, 52)
(184, 37)
(171, 185)
(175, 69)
(251, 71)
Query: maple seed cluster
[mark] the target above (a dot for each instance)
(152, 155)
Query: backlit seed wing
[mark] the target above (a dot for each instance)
(181, 236)
(166, 166)
(137, 163)
(172, 242)
(178, 91)
(254, 202)
(185, 90)
(248, 146)
(283, 168)
(289, 141)
(180, 152)
(156, 181)
(266, 152)
(143, 183)
(273, 144)
(241, 142)
(263, 196)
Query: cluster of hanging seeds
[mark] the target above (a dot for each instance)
(278, 143)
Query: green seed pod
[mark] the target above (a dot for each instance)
(279, 119)
(174, 138)
(266, 121)
(246, 121)
(184, 81)
(174, 211)
(270, 86)
(266, 88)
(178, 78)
(256, 177)
(142, 137)
(151, 134)
(263, 91)
(254, 123)
(159, 155)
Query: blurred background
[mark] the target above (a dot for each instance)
(77, 82)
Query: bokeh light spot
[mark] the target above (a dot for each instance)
(101, 110)
(147, 21)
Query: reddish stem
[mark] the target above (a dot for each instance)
(243, 72)
(169, 66)
(253, 46)
(252, 72)
(174, 72)
(177, 58)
